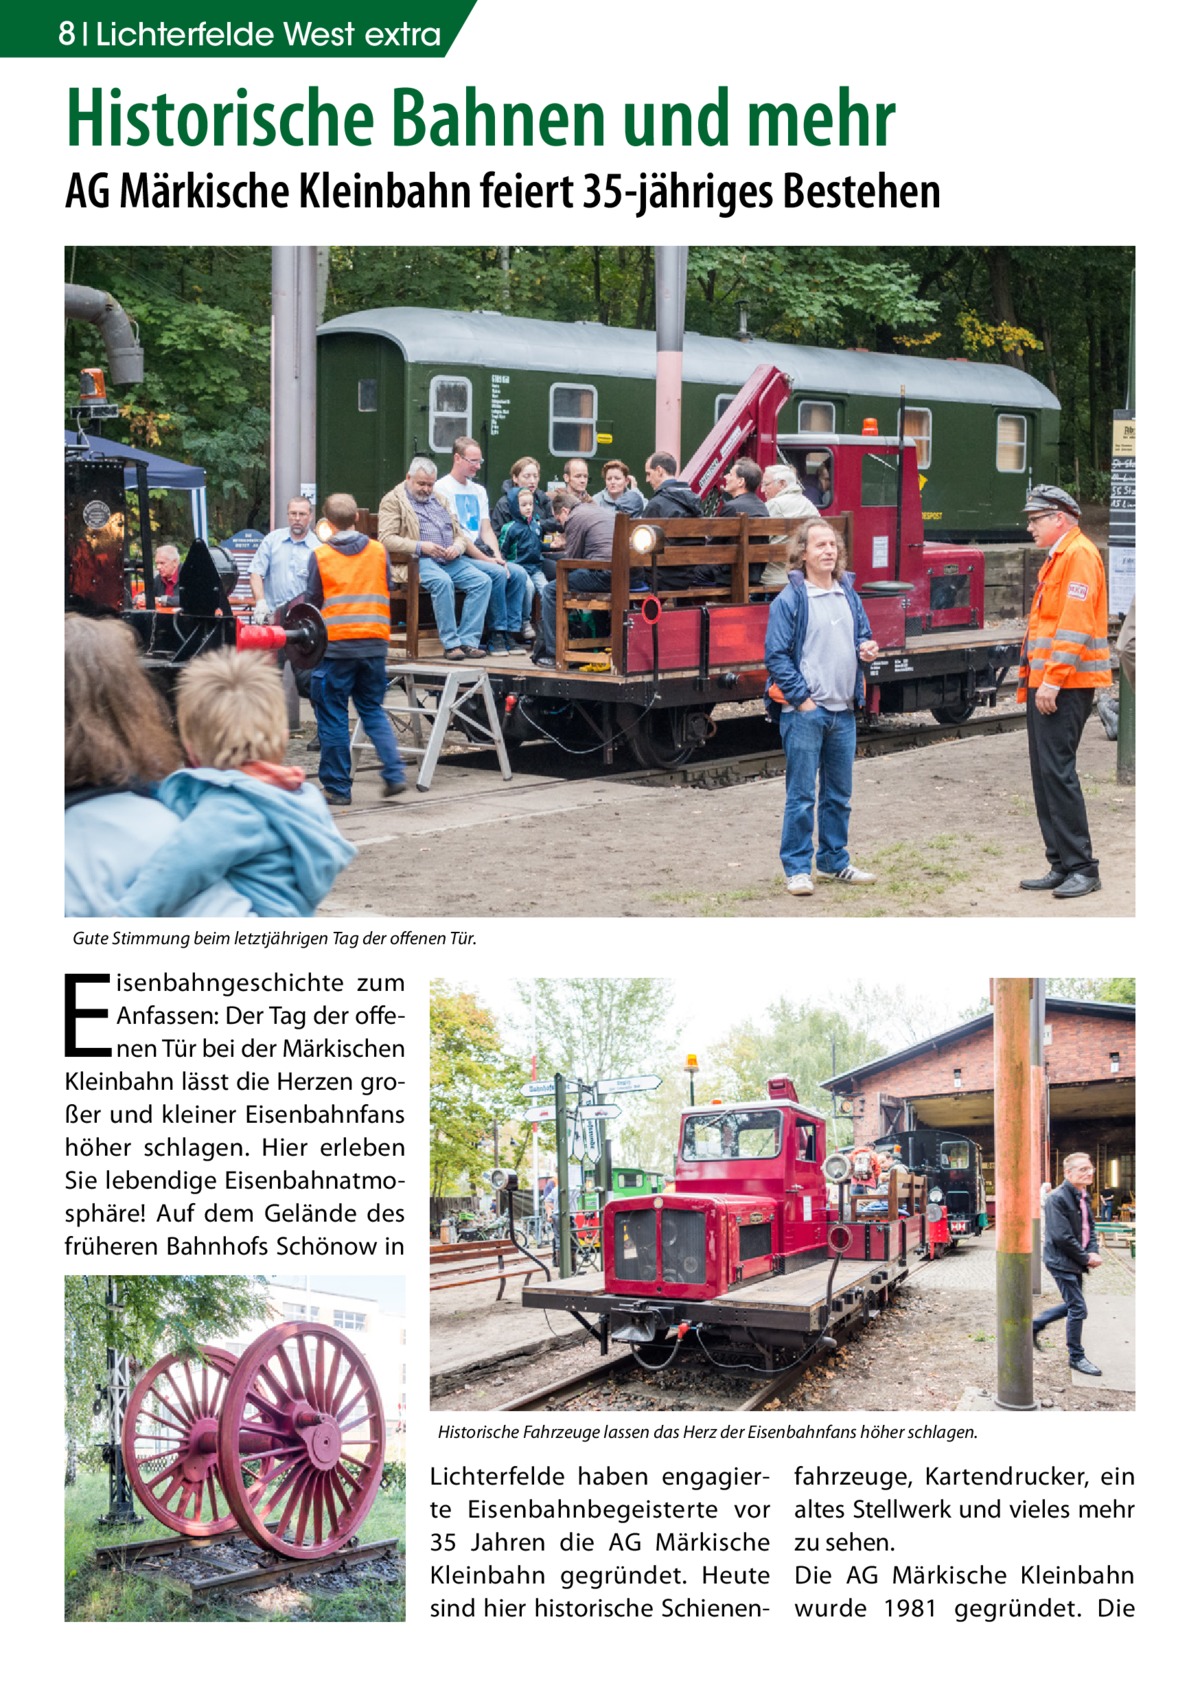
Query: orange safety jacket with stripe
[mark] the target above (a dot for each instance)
(1066, 643)
(356, 604)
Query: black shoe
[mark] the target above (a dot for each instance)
(393, 789)
(314, 744)
(1077, 885)
(1086, 1367)
(1044, 883)
(545, 662)
(335, 798)
(1042, 1348)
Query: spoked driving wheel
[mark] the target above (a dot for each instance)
(302, 1442)
(169, 1442)
(663, 738)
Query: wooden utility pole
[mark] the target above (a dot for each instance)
(1012, 1041)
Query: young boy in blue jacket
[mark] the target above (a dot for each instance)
(245, 815)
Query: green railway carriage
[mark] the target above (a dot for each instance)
(399, 381)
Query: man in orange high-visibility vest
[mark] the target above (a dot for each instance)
(1063, 660)
(348, 581)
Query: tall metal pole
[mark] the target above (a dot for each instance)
(1037, 1107)
(670, 292)
(564, 1177)
(306, 365)
(1014, 1295)
(122, 1509)
(285, 380)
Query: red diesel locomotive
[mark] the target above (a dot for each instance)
(744, 1255)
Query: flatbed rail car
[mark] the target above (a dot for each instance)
(744, 1261)
(394, 382)
(669, 659)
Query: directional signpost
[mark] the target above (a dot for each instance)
(629, 1085)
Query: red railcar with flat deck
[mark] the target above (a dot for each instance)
(744, 1255)
(656, 663)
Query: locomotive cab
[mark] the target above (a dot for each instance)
(748, 1201)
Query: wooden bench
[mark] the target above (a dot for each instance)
(456, 1264)
(736, 546)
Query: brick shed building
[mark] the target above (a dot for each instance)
(947, 1083)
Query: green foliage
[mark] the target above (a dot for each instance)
(472, 1080)
(589, 1027)
(1105, 990)
(156, 1315)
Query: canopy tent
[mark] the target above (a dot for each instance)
(162, 474)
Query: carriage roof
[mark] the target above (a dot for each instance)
(439, 337)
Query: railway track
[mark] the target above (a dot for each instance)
(622, 1383)
(728, 768)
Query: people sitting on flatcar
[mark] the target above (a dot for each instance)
(786, 500)
(521, 541)
(673, 499)
(588, 535)
(619, 491)
(469, 502)
(739, 497)
(415, 522)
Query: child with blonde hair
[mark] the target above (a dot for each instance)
(245, 815)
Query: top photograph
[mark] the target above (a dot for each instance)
(649, 582)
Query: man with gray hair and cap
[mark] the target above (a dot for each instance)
(1064, 658)
(784, 497)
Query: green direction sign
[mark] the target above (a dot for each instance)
(128, 31)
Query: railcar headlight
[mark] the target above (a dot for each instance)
(936, 1195)
(648, 540)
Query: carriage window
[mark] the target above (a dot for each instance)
(722, 405)
(918, 425)
(449, 411)
(1011, 432)
(817, 417)
(572, 419)
(879, 481)
(956, 1155)
(725, 1135)
(368, 396)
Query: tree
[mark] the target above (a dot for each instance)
(156, 1315)
(590, 1027)
(1105, 990)
(472, 1080)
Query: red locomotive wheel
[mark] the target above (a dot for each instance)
(169, 1442)
(303, 1407)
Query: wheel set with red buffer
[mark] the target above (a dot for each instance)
(286, 1441)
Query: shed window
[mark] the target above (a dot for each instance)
(918, 425)
(817, 416)
(572, 419)
(368, 396)
(1011, 435)
(449, 411)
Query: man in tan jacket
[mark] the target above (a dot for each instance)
(416, 524)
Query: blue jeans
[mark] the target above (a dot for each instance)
(578, 580)
(817, 743)
(440, 579)
(1073, 1308)
(536, 582)
(507, 600)
(334, 683)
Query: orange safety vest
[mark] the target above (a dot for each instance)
(1066, 643)
(357, 604)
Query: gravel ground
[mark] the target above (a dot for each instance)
(936, 1342)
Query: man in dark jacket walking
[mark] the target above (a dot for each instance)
(1070, 1247)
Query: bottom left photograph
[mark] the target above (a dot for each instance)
(235, 1448)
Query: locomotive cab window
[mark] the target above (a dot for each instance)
(879, 481)
(956, 1155)
(368, 396)
(815, 470)
(721, 1136)
(1011, 443)
(817, 417)
(918, 425)
(572, 419)
(449, 411)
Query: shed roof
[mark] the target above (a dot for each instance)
(439, 337)
(1085, 1007)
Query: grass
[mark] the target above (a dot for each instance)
(106, 1593)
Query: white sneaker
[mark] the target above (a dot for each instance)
(853, 877)
(801, 885)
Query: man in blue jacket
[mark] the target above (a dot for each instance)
(1070, 1247)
